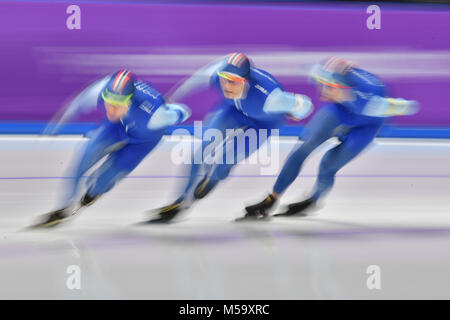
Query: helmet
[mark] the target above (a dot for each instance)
(333, 72)
(237, 67)
(120, 88)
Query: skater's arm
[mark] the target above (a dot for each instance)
(387, 107)
(168, 115)
(297, 105)
(85, 102)
(200, 80)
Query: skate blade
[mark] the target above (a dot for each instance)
(252, 219)
(54, 223)
(165, 209)
(288, 214)
(47, 225)
(156, 221)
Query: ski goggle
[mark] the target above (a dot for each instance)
(116, 100)
(326, 78)
(230, 76)
(329, 83)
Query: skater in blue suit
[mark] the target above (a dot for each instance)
(253, 100)
(136, 117)
(355, 107)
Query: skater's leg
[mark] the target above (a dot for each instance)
(239, 146)
(225, 118)
(318, 130)
(105, 140)
(356, 141)
(117, 166)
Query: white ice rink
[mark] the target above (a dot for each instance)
(390, 208)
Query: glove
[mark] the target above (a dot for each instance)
(167, 115)
(183, 111)
(303, 107)
(387, 107)
(297, 105)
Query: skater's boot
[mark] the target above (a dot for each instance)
(298, 209)
(259, 210)
(167, 213)
(54, 218)
(204, 187)
(87, 200)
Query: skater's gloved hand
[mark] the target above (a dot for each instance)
(167, 115)
(297, 105)
(387, 107)
(183, 111)
(303, 107)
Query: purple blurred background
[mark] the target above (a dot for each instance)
(44, 63)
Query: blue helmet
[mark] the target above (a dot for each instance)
(120, 88)
(237, 65)
(333, 72)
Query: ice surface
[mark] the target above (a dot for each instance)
(390, 208)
